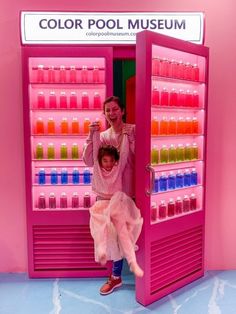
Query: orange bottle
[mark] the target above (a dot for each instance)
(86, 125)
(64, 126)
(172, 126)
(75, 126)
(163, 126)
(39, 126)
(195, 126)
(155, 126)
(51, 126)
(188, 126)
(180, 126)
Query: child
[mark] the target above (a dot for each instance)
(115, 221)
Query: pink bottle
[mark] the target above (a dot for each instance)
(84, 74)
(41, 100)
(63, 200)
(174, 69)
(63, 100)
(40, 74)
(195, 102)
(51, 74)
(188, 71)
(171, 208)
(153, 211)
(85, 100)
(52, 100)
(97, 104)
(87, 200)
(155, 97)
(180, 70)
(95, 75)
(178, 205)
(193, 202)
(41, 201)
(173, 97)
(162, 210)
(164, 67)
(188, 101)
(72, 74)
(186, 204)
(75, 200)
(52, 200)
(195, 72)
(73, 100)
(164, 97)
(156, 66)
(62, 74)
(181, 98)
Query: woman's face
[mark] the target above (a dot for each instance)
(113, 114)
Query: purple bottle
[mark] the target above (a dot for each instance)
(75, 200)
(87, 200)
(52, 200)
(41, 201)
(63, 200)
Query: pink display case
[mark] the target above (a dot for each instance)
(171, 113)
(63, 90)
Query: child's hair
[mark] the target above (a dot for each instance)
(108, 150)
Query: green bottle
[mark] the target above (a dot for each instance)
(180, 153)
(64, 154)
(51, 151)
(164, 154)
(187, 152)
(74, 151)
(172, 153)
(39, 151)
(154, 155)
(194, 151)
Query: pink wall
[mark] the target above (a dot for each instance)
(221, 212)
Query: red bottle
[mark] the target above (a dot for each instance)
(154, 211)
(186, 204)
(193, 202)
(178, 205)
(171, 208)
(162, 210)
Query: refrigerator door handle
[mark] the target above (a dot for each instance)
(149, 168)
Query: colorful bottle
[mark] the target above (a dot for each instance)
(156, 185)
(62, 74)
(187, 152)
(63, 100)
(195, 126)
(51, 126)
(164, 67)
(73, 100)
(75, 200)
(164, 154)
(87, 176)
(97, 104)
(51, 151)
(41, 100)
(39, 126)
(188, 101)
(164, 97)
(172, 153)
(180, 69)
(187, 178)
(179, 181)
(171, 181)
(163, 126)
(180, 153)
(95, 74)
(63, 151)
(63, 200)
(153, 211)
(86, 125)
(195, 73)
(75, 176)
(163, 182)
(181, 98)
(75, 126)
(87, 200)
(40, 74)
(72, 74)
(64, 176)
(85, 100)
(173, 97)
(162, 210)
(195, 99)
(154, 155)
(74, 151)
(156, 66)
(64, 126)
(41, 176)
(171, 208)
(172, 126)
(178, 205)
(180, 127)
(54, 176)
(193, 202)
(154, 126)
(39, 151)
(194, 151)
(194, 177)
(51, 74)
(188, 126)
(186, 203)
(84, 74)
(41, 201)
(52, 100)
(155, 97)
(52, 201)
(188, 71)
(174, 68)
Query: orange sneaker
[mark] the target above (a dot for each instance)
(111, 284)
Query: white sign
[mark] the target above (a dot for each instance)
(107, 28)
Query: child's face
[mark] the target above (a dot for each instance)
(108, 162)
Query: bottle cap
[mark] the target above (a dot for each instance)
(51, 194)
(153, 204)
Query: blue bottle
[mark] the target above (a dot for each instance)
(54, 176)
(171, 181)
(194, 178)
(75, 176)
(64, 176)
(41, 176)
(179, 180)
(87, 176)
(163, 182)
(187, 178)
(156, 185)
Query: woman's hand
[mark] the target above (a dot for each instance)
(94, 127)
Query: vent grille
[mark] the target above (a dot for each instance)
(63, 248)
(175, 258)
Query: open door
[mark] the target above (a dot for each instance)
(171, 111)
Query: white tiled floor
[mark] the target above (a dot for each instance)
(215, 293)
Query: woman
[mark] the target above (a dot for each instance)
(114, 112)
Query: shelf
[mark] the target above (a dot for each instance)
(176, 163)
(72, 85)
(191, 212)
(65, 109)
(176, 136)
(177, 109)
(60, 185)
(176, 80)
(81, 136)
(178, 189)
(60, 209)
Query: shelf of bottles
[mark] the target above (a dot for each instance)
(66, 95)
(177, 133)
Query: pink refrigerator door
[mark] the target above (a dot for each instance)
(64, 88)
(171, 111)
